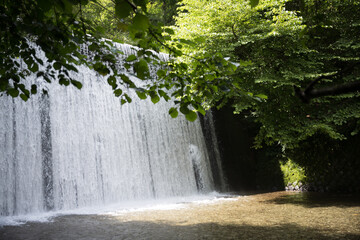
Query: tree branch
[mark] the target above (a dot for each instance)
(233, 32)
(132, 5)
(310, 92)
(305, 96)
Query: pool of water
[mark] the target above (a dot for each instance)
(277, 215)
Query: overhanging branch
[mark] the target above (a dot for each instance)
(310, 92)
(307, 95)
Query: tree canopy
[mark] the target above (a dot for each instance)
(281, 45)
(250, 54)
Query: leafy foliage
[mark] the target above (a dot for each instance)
(329, 164)
(293, 172)
(279, 45)
(69, 33)
(58, 30)
(246, 53)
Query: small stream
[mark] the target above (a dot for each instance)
(277, 215)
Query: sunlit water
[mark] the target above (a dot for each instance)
(279, 215)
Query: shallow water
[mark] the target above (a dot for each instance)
(278, 215)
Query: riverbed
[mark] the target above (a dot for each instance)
(276, 215)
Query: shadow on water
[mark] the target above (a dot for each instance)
(313, 199)
(100, 227)
(276, 215)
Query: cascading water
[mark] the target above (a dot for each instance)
(69, 149)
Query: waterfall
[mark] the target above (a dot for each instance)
(75, 148)
(208, 127)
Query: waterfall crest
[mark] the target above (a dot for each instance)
(72, 149)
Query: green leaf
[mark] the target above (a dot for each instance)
(161, 73)
(128, 99)
(191, 116)
(141, 69)
(131, 58)
(245, 63)
(254, 3)
(57, 65)
(184, 109)
(263, 96)
(40, 74)
(123, 27)
(127, 66)
(173, 112)
(141, 3)
(23, 89)
(154, 97)
(188, 42)
(71, 67)
(13, 92)
(118, 92)
(169, 31)
(33, 89)
(111, 80)
(141, 94)
(39, 60)
(232, 67)
(24, 97)
(64, 81)
(127, 80)
(162, 93)
(47, 79)
(122, 8)
(77, 84)
(66, 5)
(101, 69)
(201, 110)
(94, 47)
(45, 5)
(34, 67)
(140, 22)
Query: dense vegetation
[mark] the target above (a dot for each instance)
(279, 45)
(292, 66)
(309, 46)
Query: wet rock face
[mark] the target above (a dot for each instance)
(316, 187)
(297, 186)
(245, 168)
